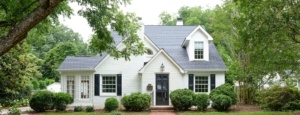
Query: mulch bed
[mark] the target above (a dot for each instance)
(244, 108)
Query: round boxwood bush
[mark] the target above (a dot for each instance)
(78, 108)
(42, 101)
(225, 89)
(61, 100)
(182, 99)
(280, 98)
(89, 109)
(221, 102)
(201, 101)
(136, 102)
(111, 104)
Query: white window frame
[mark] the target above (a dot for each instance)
(85, 88)
(73, 94)
(101, 86)
(208, 83)
(194, 50)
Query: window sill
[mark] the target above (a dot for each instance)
(107, 94)
(199, 60)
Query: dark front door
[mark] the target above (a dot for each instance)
(162, 89)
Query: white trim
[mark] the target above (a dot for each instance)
(155, 56)
(78, 69)
(101, 87)
(206, 70)
(208, 84)
(89, 87)
(149, 40)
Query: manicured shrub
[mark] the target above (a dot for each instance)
(89, 109)
(221, 102)
(42, 101)
(280, 98)
(201, 101)
(225, 89)
(182, 99)
(78, 108)
(111, 104)
(136, 102)
(14, 111)
(61, 100)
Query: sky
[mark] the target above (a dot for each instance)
(148, 10)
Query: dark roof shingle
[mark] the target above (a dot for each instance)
(169, 38)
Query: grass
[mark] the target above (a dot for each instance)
(180, 113)
(93, 113)
(236, 113)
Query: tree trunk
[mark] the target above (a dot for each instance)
(19, 31)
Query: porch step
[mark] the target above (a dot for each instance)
(162, 109)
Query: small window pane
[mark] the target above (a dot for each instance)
(201, 84)
(109, 84)
(71, 85)
(198, 50)
(85, 90)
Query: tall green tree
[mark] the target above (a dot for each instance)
(267, 42)
(18, 17)
(190, 16)
(54, 58)
(17, 69)
(42, 42)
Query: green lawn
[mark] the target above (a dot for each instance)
(180, 113)
(236, 113)
(92, 113)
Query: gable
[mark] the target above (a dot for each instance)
(197, 33)
(161, 58)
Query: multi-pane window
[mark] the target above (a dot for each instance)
(109, 84)
(71, 85)
(198, 50)
(85, 87)
(201, 84)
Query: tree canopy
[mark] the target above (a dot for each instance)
(19, 17)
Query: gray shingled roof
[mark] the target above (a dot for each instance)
(81, 62)
(169, 38)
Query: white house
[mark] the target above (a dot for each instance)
(54, 87)
(177, 57)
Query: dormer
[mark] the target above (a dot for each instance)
(197, 44)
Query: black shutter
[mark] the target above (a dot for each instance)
(212, 81)
(191, 82)
(97, 85)
(119, 84)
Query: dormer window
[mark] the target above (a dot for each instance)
(198, 50)
(149, 52)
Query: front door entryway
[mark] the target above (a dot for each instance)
(162, 89)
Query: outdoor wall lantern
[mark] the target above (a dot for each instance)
(149, 87)
(162, 67)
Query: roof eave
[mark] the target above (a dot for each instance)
(206, 69)
(75, 69)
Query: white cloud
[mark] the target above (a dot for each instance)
(149, 10)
